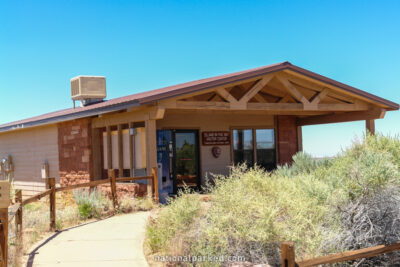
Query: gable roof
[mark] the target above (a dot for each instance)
(143, 98)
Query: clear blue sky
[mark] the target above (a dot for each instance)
(142, 45)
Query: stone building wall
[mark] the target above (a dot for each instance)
(287, 138)
(75, 152)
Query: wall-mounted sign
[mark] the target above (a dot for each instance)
(219, 138)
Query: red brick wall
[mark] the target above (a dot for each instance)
(75, 152)
(287, 138)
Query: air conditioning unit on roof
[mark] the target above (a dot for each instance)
(88, 89)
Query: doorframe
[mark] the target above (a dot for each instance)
(197, 147)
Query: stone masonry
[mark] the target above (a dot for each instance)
(75, 152)
(287, 138)
(76, 161)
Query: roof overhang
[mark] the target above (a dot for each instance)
(218, 82)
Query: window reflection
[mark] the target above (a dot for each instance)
(244, 143)
(265, 140)
(243, 146)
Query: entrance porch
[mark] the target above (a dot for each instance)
(191, 132)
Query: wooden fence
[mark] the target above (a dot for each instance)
(289, 260)
(7, 214)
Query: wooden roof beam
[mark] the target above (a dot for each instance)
(256, 88)
(343, 117)
(319, 96)
(259, 98)
(292, 90)
(285, 99)
(264, 106)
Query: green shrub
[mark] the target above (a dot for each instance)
(90, 204)
(303, 163)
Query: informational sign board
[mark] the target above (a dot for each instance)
(4, 194)
(218, 138)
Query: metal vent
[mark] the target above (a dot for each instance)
(88, 89)
(74, 87)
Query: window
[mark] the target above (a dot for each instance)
(265, 140)
(254, 146)
(243, 146)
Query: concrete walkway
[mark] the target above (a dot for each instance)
(116, 241)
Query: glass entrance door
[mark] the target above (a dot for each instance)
(186, 159)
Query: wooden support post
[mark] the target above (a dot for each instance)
(111, 174)
(52, 185)
(18, 217)
(131, 150)
(299, 138)
(4, 236)
(370, 126)
(287, 254)
(151, 151)
(109, 148)
(120, 153)
(155, 183)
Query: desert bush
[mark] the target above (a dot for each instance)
(251, 212)
(370, 221)
(91, 203)
(324, 206)
(173, 219)
(128, 204)
(303, 163)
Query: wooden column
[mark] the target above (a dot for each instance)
(131, 150)
(287, 254)
(155, 183)
(18, 217)
(52, 184)
(109, 148)
(113, 186)
(370, 126)
(120, 153)
(299, 138)
(151, 151)
(4, 236)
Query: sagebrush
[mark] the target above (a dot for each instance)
(324, 206)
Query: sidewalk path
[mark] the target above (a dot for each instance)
(116, 241)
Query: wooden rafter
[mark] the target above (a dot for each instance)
(212, 97)
(256, 88)
(317, 86)
(252, 92)
(292, 90)
(285, 99)
(226, 95)
(268, 97)
(259, 98)
(319, 96)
